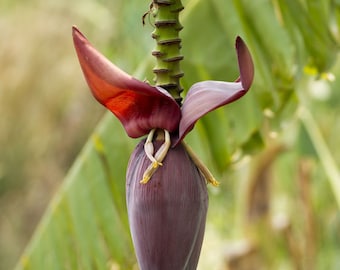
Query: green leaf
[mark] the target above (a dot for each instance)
(313, 26)
(86, 224)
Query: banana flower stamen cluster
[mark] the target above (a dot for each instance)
(159, 156)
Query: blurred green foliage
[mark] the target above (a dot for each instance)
(274, 151)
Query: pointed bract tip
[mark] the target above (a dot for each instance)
(203, 97)
(139, 106)
(245, 63)
(76, 32)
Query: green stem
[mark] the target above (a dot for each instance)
(167, 51)
(323, 151)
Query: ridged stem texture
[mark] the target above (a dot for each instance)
(167, 52)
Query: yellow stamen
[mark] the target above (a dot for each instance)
(159, 156)
(203, 169)
(156, 164)
(144, 180)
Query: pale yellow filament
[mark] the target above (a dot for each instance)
(203, 169)
(156, 160)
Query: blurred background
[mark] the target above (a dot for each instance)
(284, 168)
(46, 112)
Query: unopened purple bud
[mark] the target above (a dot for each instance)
(167, 215)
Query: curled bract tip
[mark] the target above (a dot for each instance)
(245, 62)
(204, 97)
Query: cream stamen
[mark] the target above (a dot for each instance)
(159, 156)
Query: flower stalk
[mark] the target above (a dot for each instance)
(168, 44)
(166, 191)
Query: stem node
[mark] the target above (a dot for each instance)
(168, 44)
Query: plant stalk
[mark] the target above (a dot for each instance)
(168, 44)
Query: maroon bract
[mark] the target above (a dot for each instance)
(141, 107)
(167, 215)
